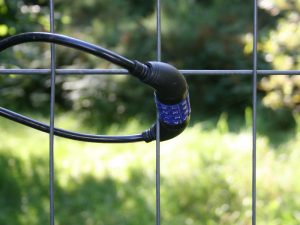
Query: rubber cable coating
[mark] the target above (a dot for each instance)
(171, 91)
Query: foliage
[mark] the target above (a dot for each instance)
(195, 35)
(30, 92)
(282, 91)
(280, 47)
(203, 182)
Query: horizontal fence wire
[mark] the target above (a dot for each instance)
(125, 72)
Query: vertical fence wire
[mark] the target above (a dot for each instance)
(158, 57)
(158, 30)
(254, 111)
(51, 131)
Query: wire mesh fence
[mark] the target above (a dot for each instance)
(53, 71)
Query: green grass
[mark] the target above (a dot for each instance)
(206, 178)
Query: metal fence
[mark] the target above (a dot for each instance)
(53, 71)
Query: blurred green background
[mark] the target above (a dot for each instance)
(206, 171)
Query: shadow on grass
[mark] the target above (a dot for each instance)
(20, 189)
(24, 197)
(106, 201)
(90, 200)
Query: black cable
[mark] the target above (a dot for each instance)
(76, 44)
(69, 42)
(68, 134)
(171, 91)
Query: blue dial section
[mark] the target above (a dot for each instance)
(174, 114)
